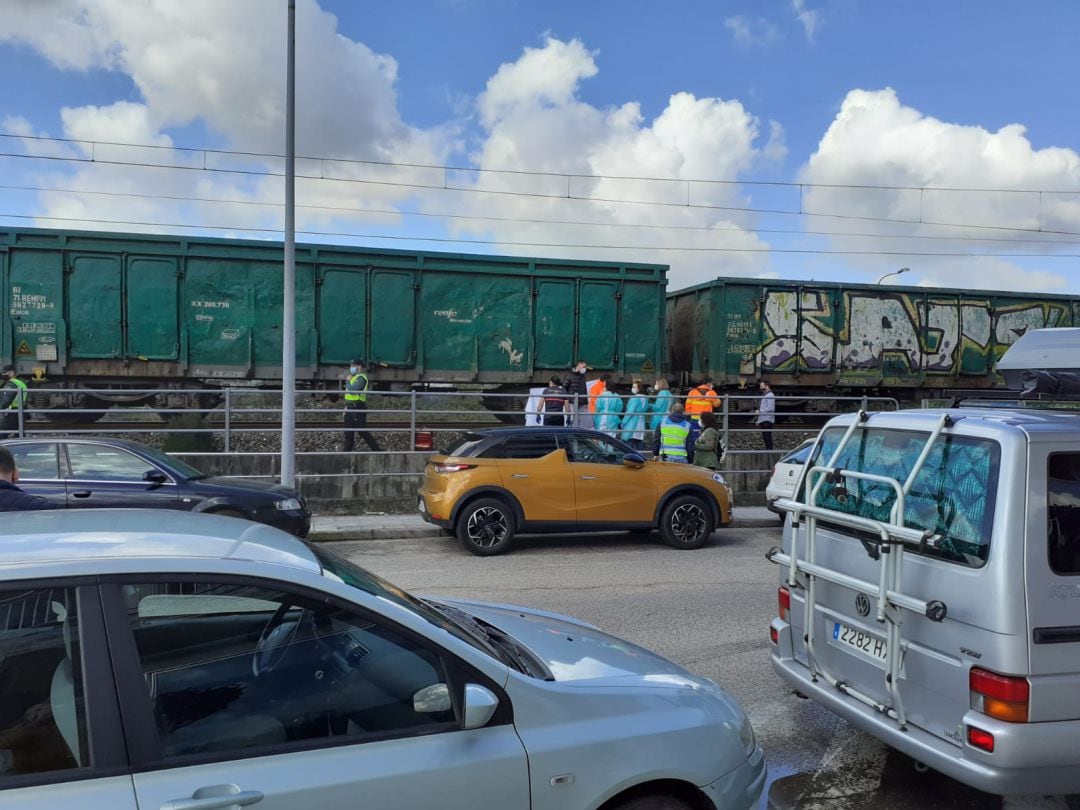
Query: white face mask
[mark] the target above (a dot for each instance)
(634, 390)
(353, 369)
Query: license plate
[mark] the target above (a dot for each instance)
(859, 640)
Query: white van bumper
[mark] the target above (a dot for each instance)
(1028, 758)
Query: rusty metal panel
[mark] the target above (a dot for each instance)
(217, 303)
(641, 333)
(554, 314)
(476, 322)
(152, 308)
(36, 306)
(342, 315)
(94, 307)
(597, 323)
(393, 319)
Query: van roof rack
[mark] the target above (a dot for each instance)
(885, 542)
(1044, 364)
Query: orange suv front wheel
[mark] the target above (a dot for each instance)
(686, 522)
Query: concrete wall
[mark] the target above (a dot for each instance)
(387, 482)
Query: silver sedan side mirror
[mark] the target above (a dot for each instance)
(480, 706)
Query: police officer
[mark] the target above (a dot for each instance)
(12, 395)
(356, 391)
(675, 438)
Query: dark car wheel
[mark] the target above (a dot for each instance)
(486, 527)
(687, 522)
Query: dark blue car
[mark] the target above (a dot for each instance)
(89, 473)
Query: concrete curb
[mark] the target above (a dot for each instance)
(425, 530)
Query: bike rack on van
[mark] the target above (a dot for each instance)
(886, 542)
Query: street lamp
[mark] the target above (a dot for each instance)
(894, 273)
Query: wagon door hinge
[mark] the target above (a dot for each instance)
(618, 296)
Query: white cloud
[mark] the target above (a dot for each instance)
(747, 32)
(190, 65)
(122, 122)
(877, 141)
(532, 117)
(809, 18)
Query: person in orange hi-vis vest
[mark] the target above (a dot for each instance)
(702, 399)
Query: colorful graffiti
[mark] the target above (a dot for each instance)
(892, 333)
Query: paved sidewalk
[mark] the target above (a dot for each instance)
(395, 527)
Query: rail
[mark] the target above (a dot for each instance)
(245, 422)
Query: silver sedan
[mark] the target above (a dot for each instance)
(207, 662)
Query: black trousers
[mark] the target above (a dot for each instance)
(355, 422)
(9, 425)
(766, 434)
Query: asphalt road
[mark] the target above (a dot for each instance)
(708, 610)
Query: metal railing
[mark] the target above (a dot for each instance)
(404, 422)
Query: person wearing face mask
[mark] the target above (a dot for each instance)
(356, 391)
(633, 423)
(578, 389)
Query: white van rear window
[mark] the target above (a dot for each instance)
(1063, 512)
(953, 495)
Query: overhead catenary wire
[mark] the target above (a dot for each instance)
(536, 173)
(573, 198)
(516, 243)
(540, 221)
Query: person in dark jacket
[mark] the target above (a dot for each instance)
(13, 499)
(578, 389)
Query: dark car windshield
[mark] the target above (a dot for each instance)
(176, 465)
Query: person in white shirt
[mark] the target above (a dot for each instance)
(766, 417)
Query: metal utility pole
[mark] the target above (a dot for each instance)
(288, 315)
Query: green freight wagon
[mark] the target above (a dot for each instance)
(816, 337)
(109, 309)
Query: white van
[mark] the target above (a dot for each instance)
(930, 587)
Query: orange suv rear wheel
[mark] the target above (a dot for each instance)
(486, 526)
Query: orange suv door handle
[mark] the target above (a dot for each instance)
(588, 478)
(519, 475)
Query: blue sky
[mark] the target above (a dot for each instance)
(844, 92)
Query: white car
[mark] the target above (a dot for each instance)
(208, 662)
(785, 475)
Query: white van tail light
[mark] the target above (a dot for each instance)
(784, 600)
(1004, 697)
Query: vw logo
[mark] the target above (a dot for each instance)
(862, 604)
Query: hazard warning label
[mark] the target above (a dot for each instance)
(24, 350)
(647, 366)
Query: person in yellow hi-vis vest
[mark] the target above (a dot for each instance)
(675, 438)
(356, 391)
(12, 397)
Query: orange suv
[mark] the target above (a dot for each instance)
(508, 480)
